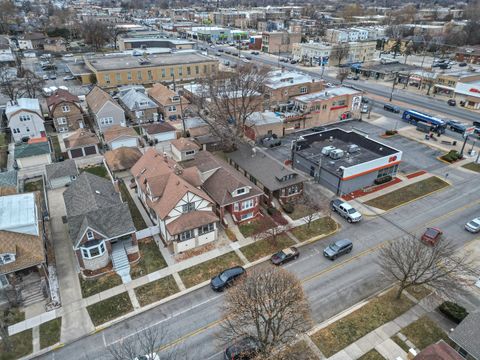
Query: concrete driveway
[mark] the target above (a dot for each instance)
(75, 319)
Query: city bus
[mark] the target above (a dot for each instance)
(415, 117)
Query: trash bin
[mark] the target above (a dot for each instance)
(427, 136)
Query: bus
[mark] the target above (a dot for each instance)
(415, 117)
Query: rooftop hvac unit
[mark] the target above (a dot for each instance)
(353, 148)
(336, 154)
(327, 149)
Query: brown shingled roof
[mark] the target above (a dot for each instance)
(97, 97)
(191, 220)
(61, 96)
(183, 144)
(162, 95)
(80, 138)
(438, 351)
(117, 131)
(158, 128)
(122, 158)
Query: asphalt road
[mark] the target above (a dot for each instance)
(192, 321)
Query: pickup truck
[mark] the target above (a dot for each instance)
(345, 210)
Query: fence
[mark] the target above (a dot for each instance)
(150, 231)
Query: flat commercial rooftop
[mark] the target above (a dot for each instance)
(327, 94)
(119, 62)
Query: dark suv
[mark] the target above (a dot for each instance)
(456, 126)
(338, 248)
(244, 349)
(226, 278)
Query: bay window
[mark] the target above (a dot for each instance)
(93, 249)
(248, 204)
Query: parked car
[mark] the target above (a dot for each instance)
(248, 57)
(356, 77)
(431, 236)
(391, 108)
(271, 141)
(254, 52)
(364, 108)
(53, 77)
(69, 77)
(462, 64)
(226, 278)
(456, 126)
(338, 248)
(473, 225)
(45, 77)
(228, 52)
(244, 349)
(293, 62)
(345, 210)
(318, 128)
(220, 50)
(284, 256)
(452, 102)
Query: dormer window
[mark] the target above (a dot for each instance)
(90, 235)
(6, 258)
(65, 108)
(286, 177)
(175, 98)
(240, 191)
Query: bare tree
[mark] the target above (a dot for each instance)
(312, 208)
(95, 33)
(267, 229)
(340, 52)
(9, 85)
(410, 262)
(8, 11)
(342, 74)
(31, 84)
(225, 100)
(268, 305)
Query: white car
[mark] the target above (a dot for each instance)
(473, 225)
(153, 356)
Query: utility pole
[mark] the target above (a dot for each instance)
(393, 86)
(463, 146)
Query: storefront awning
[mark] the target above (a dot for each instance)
(444, 87)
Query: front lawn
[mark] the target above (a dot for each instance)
(98, 170)
(424, 332)
(299, 351)
(359, 323)
(208, 269)
(300, 211)
(13, 316)
(407, 193)
(265, 247)
(50, 332)
(472, 166)
(137, 217)
(156, 290)
(110, 308)
(255, 226)
(151, 259)
(36, 185)
(21, 345)
(317, 227)
(372, 355)
(3, 151)
(93, 286)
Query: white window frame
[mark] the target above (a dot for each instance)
(63, 129)
(61, 121)
(172, 108)
(7, 258)
(65, 108)
(188, 207)
(190, 152)
(205, 229)
(87, 251)
(186, 235)
(248, 204)
(246, 216)
(90, 235)
(303, 90)
(106, 120)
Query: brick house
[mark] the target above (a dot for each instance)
(171, 105)
(139, 108)
(232, 193)
(65, 110)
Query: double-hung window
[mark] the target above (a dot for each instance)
(187, 235)
(248, 204)
(188, 207)
(206, 229)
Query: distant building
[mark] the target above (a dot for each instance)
(318, 53)
(142, 41)
(279, 42)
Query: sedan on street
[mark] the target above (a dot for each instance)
(284, 256)
(431, 236)
(226, 278)
(473, 225)
(339, 247)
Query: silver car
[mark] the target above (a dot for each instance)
(473, 225)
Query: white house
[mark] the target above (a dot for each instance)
(25, 119)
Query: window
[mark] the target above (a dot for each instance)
(248, 204)
(292, 190)
(206, 229)
(62, 129)
(186, 235)
(107, 78)
(106, 120)
(172, 108)
(204, 69)
(189, 152)
(189, 72)
(252, 179)
(246, 216)
(139, 75)
(172, 72)
(92, 249)
(188, 207)
(303, 90)
(118, 77)
(27, 129)
(392, 170)
(7, 258)
(61, 121)
(129, 75)
(16, 131)
(25, 117)
(324, 107)
(90, 235)
(180, 71)
(196, 70)
(164, 73)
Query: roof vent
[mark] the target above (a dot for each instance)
(97, 192)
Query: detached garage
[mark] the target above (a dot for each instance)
(33, 154)
(81, 143)
(159, 132)
(61, 174)
(118, 136)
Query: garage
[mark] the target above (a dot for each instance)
(90, 150)
(61, 174)
(76, 153)
(159, 132)
(123, 142)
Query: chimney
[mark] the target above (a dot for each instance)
(165, 157)
(177, 169)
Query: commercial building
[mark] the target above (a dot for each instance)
(346, 35)
(354, 52)
(158, 41)
(279, 41)
(345, 161)
(117, 70)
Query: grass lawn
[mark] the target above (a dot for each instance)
(424, 332)
(400, 343)
(321, 226)
(56, 146)
(419, 292)
(136, 215)
(407, 193)
(266, 247)
(3, 151)
(110, 308)
(150, 261)
(13, 316)
(50, 332)
(299, 351)
(352, 327)
(208, 269)
(372, 355)
(94, 286)
(253, 227)
(36, 185)
(98, 170)
(21, 345)
(472, 166)
(300, 211)
(137, 130)
(156, 290)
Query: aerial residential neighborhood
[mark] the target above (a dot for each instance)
(223, 180)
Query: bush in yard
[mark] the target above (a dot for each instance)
(383, 180)
(231, 236)
(288, 208)
(271, 211)
(390, 132)
(452, 156)
(453, 311)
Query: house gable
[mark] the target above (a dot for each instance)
(200, 204)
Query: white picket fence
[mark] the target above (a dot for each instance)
(150, 231)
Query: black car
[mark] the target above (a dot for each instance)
(226, 278)
(248, 57)
(456, 126)
(228, 52)
(284, 256)
(293, 62)
(244, 349)
(220, 50)
(462, 64)
(339, 247)
(451, 102)
(391, 108)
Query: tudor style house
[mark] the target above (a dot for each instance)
(65, 110)
(183, 211)
(100, 226)
(25, 119)
(105, 111)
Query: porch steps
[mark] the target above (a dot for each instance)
(32, 293)
(120, 263)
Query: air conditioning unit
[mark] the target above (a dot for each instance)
(353, 148)
(327, 149)
(336, 154)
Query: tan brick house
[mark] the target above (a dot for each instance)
(65, 110)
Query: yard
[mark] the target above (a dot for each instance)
(208, 269)
(93, 286)
(3, 151)
(299, 351)
(372, 355)
(472, 166)
(324, 225)
(136, 215)
(352, 327)
(424, 332)
(300, 211)
(98, 170)
(419, 292)
(50, 332)
(265, 247)
(110, 308)
(156, 290)
(255, 226)
(407, 193)
(151, 259)
(56, 146)
(21, 345)
(36, 185)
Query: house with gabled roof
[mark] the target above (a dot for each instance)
(65, 110)
(138, 106)
(25, 119)
(175, 202)
(105, 111)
